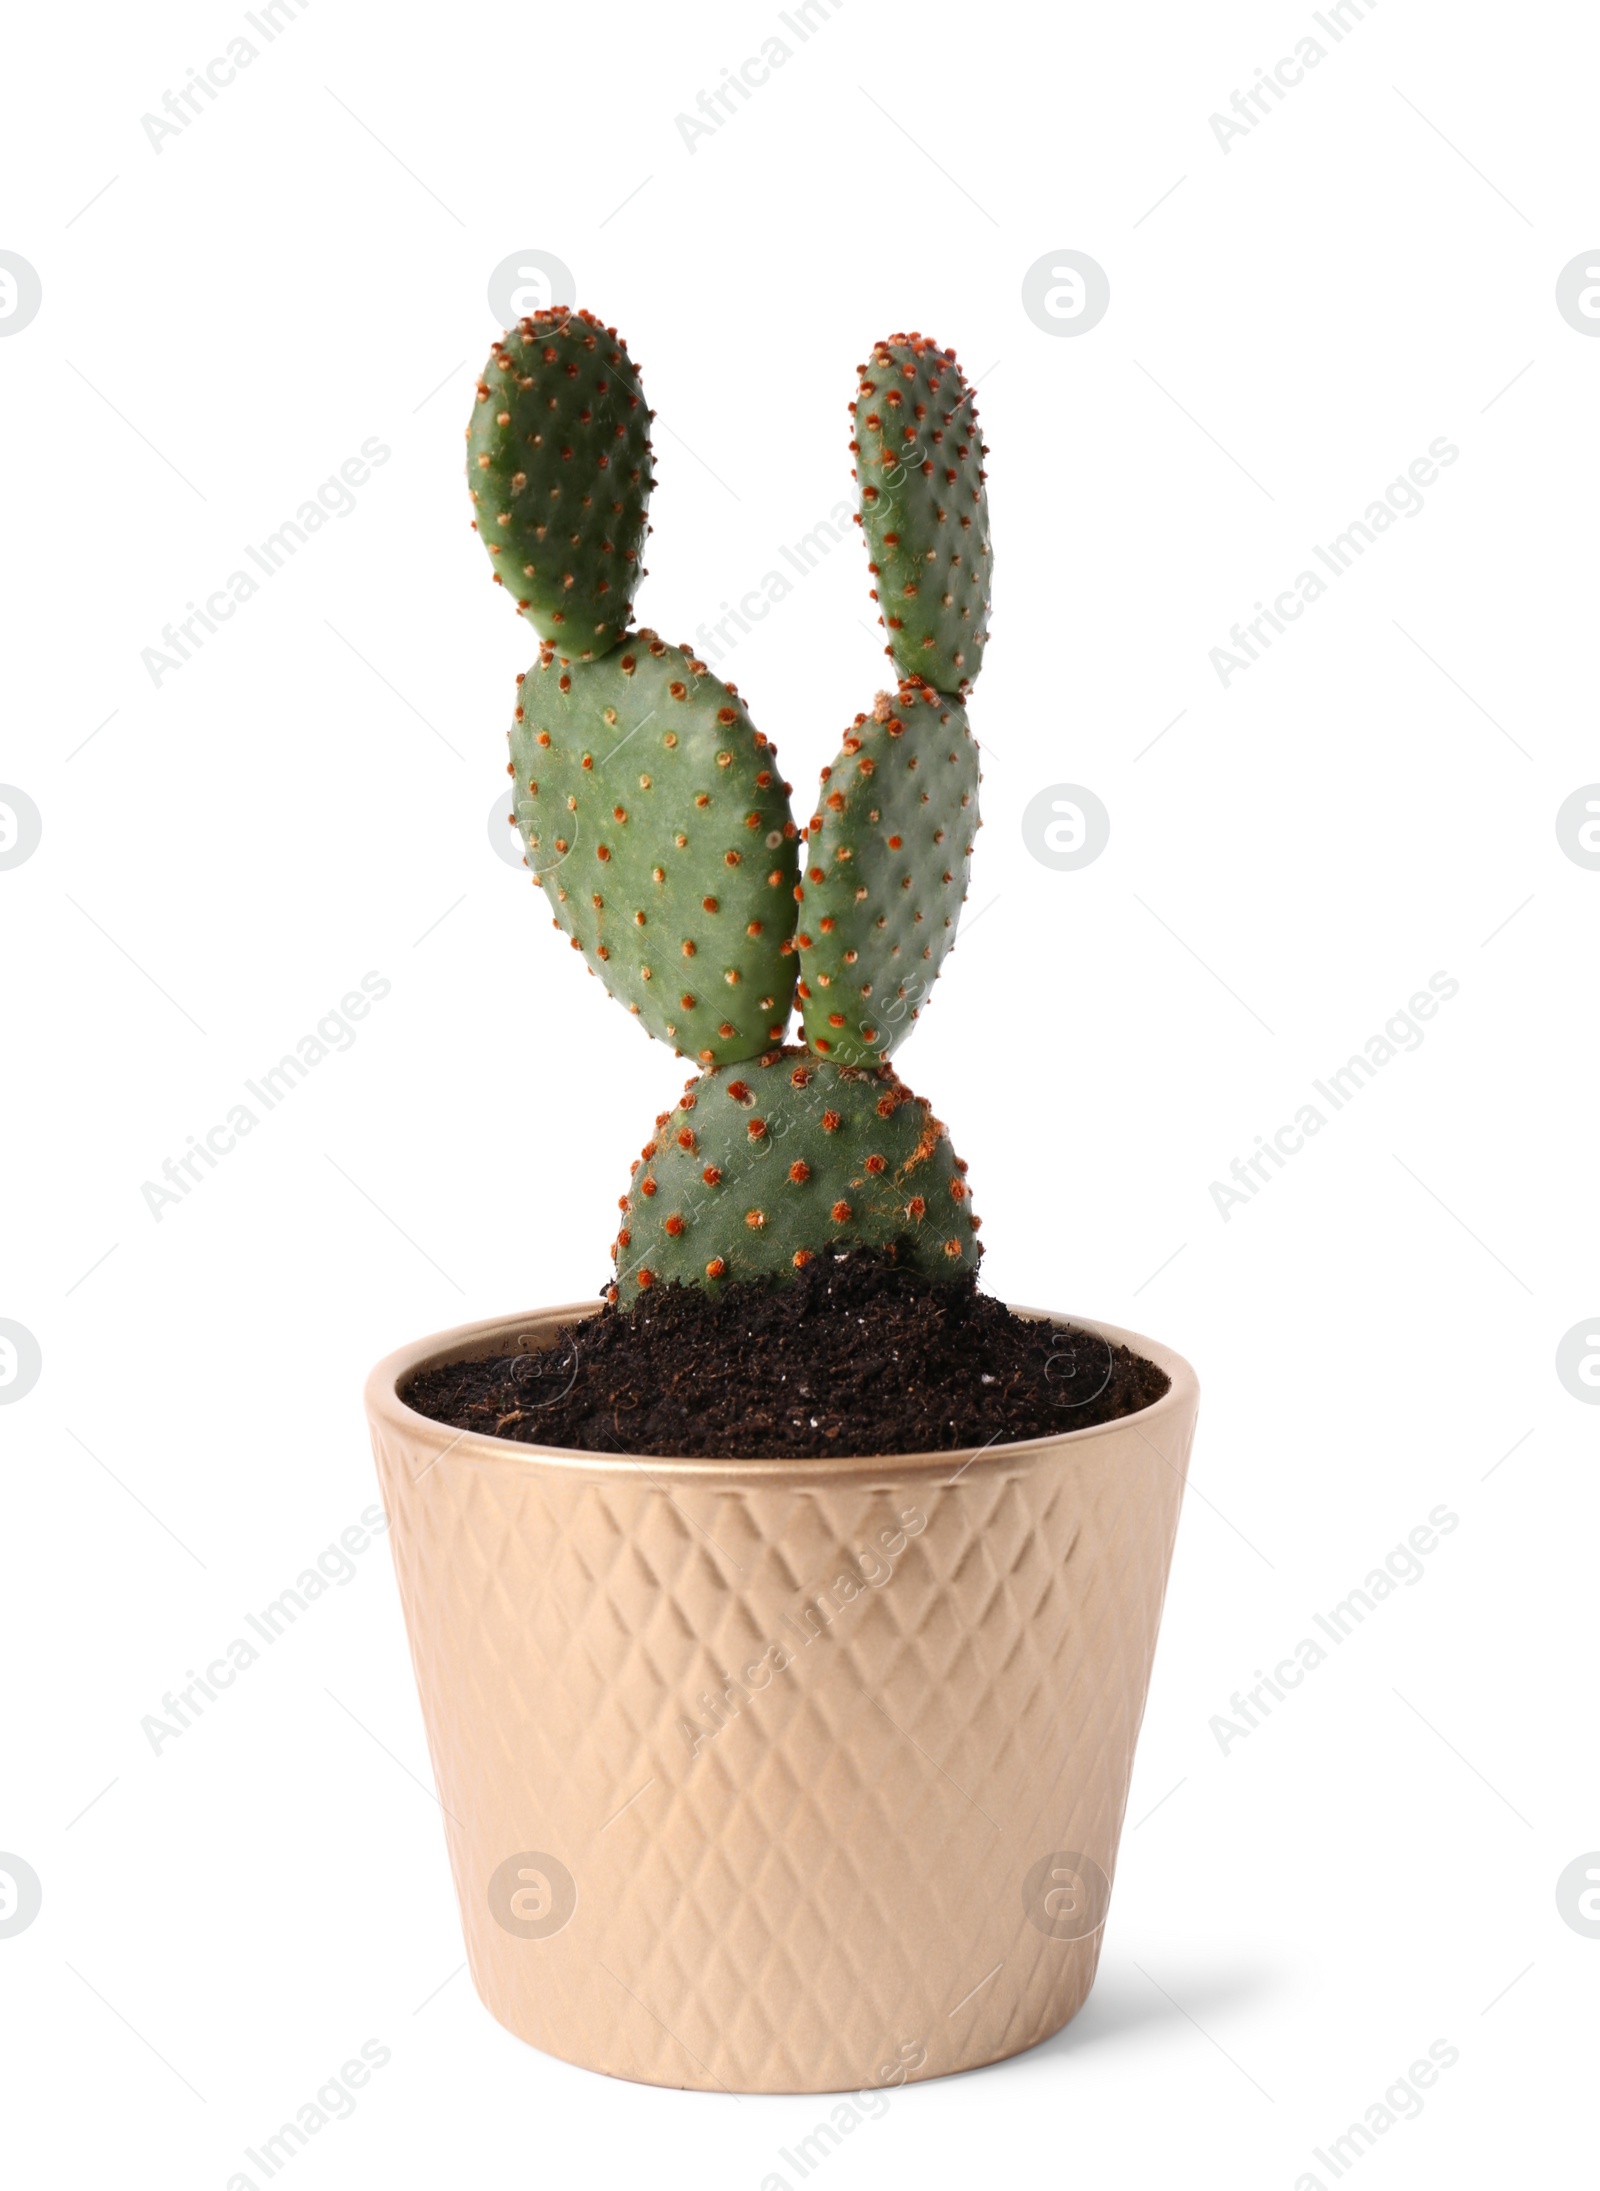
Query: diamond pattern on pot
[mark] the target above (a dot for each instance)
(784, 1876)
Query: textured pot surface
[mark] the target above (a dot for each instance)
(772, 1776)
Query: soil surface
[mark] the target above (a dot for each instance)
(854, 1357)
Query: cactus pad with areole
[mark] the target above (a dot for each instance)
(885, 872)
(659, 828)
(654, 817)
(924, 509)
(559, 465)
(762, 1166)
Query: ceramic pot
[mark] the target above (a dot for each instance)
(780, 1776)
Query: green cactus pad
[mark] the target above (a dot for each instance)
(762, 1167)
(924, 509)
(656, 821)
(885, 872)
(559, 465)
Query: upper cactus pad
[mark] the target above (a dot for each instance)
(559, 464)
(885, 872)
(657, 823)
(760, 1168)
(924, 509)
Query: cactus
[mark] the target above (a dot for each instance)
(559, 466)
(656, 821)
(759, 1168)
(886, 870)
(924, 509)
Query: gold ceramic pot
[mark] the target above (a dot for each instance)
(780, 1776)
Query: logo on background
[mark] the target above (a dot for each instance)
(1578, 1361)
(20, 1895)
(532, 1895)
(1577, 1894)
(1577, 823)
(21, 826)
(1065, 826)
(1066, 1896)
(503, 835)
(21, 293)
(20, 1361)
(1067, 293)
(529, 282)
(1578, 292)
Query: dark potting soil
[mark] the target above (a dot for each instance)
(855, 1356)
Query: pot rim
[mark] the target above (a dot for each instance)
(387, 1412)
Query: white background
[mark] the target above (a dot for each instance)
(223, 857)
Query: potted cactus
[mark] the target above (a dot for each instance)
(782, 1739)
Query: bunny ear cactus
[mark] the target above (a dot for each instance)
(887, 855)
(656, 821)
(924, 509)
(657, 824)
(760, 1168)
(559, 464)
